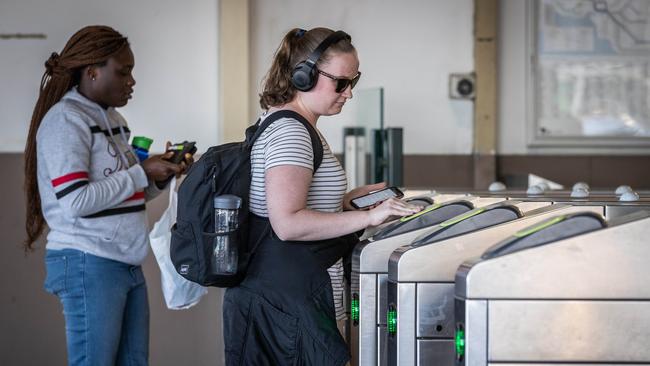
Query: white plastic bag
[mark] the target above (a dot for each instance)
(179, 293)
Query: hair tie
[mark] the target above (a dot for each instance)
(52, 65)
(300, 33)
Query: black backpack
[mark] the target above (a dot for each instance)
(223, 169)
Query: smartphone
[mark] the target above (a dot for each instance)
(180, 150)
(377, 196)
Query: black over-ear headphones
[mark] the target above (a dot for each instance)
(305, 74)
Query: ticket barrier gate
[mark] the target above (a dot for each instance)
(612, 207)
(370, 268)
(421, 283)
(569, 290)
(426, 351)
(425, 200)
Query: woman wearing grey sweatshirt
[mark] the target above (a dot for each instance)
(84, 181)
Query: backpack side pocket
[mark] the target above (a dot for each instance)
(186, 252)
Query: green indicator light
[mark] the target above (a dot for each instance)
(408, 218)
(465, 216)
(391, 320)
(540, 226)
(354, 309)
(460, 343)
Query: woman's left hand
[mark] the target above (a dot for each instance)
(358, 192)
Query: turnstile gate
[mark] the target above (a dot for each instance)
(369, 273)
(425, 200)
(569, 290)
(421, 282)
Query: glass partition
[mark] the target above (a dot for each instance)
(358, 138)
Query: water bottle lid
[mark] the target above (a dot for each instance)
(142, 142)
(227, 201)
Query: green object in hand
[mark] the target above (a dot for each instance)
(142, 142)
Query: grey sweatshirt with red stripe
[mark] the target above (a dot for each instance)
(93, 190)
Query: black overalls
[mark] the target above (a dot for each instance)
(283, 311)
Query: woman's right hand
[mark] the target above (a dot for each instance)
(158, 169)
(392, 207)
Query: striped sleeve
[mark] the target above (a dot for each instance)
(289, 143)
(66, 145)
(328, 183)
(64, 142)
(69, 183)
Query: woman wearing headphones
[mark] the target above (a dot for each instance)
(283, 313)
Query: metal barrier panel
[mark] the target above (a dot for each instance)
(577, 300)
(433, 267)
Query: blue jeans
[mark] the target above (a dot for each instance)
(105, 307)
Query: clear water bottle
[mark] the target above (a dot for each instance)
(224, 249)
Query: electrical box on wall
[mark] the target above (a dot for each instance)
(462, 86)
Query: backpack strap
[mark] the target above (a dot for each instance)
(316, 142)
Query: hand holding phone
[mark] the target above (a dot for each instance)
(180, 149)
(373, 198)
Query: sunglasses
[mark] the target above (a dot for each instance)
(342, 83)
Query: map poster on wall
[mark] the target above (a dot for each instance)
(592, 69)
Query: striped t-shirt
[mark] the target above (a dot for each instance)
(287, 142)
